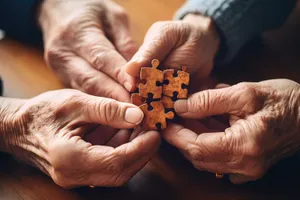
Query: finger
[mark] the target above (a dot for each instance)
(237, 100)
(121, 137)
(145, 145)
(157, 45)
(119, 32)
(81, 75)
(103, 56)
(109, 112)
(205, 147)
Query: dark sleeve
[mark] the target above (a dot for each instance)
(18, 20)
(238, 21)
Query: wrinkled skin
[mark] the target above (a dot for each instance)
(87, 43)
(263, 128)
(191, 42)
(68, 138)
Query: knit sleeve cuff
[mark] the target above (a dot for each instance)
(239, 21)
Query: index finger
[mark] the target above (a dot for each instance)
(157, 45)
(145, 145)
(205, 147)
(103, 56)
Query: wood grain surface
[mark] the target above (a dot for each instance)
(168, 175)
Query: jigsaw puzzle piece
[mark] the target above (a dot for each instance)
(155, 116)
(167, 102)
(176, 83)
(153, 81)
(137, 100)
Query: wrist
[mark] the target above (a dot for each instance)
(11, 123)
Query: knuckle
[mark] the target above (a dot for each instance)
(194, 152)
(200, 101)
(226, 142)
(109, 109)
(100, 57)
(251, 95)
(244, 86)
(120, 13)
(127, 44)
(89, 85)
(52, 54)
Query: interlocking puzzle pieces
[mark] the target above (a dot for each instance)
(158, 93)
(168, 102)
(176, 83)
(155, 116)
(153, 78)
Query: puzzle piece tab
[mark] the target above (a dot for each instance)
(154, 79)
(137, 100)
(155, 116)
(176, 83)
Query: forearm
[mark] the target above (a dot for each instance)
(10, 123)
(238, 21)
(18, 20)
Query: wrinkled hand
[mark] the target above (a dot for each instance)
(264, 128)
(87, 43)
(53, 135)
(192, 42)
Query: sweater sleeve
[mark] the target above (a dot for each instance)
(238, 21)
(18, 20)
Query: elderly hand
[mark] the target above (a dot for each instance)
(87, 43)
(49, 132)
(192, 42)
(264, 128)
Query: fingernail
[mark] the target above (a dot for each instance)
(134, 115)
(181, 106)
(128, 86)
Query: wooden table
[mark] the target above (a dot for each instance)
(168, 175)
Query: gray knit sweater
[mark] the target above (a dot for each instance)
(239, 20)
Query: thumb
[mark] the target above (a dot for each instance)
(239, 99)
(110, 112)
(158, 43)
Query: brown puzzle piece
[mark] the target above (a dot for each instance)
(153, 77)
(137, 100)
(155, 116)
(167, 102)
(175, 83)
